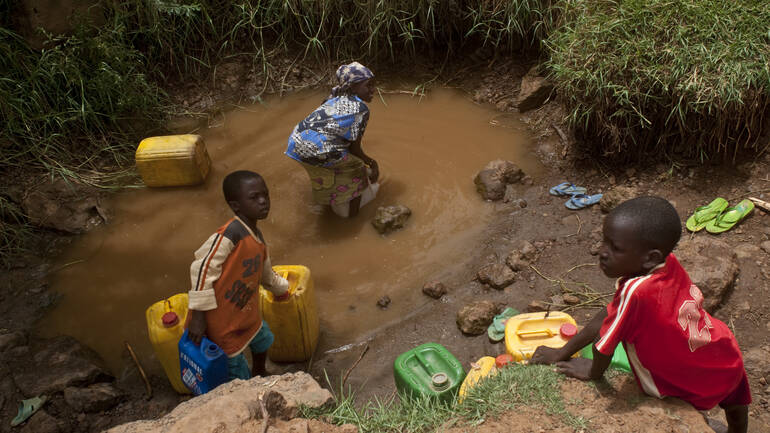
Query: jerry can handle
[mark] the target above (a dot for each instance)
(533, 333)
(424, 363)
(167, 305)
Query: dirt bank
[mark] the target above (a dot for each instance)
(563, 240)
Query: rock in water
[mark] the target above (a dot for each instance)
(94, 398)
(616, 196)
(434, 289)
(489, 186)
(492, 180)
(384, 302)
(496, 275)
(712, 265)
(473, 319)
(390, 218)
(535, 90)
(65, 206)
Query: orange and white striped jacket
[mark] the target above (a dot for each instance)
(226, 274)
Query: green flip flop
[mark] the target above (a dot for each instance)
(27, 408)
(730, 217)
(496, 331)
(704, 214)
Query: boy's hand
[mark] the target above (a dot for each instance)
(196, 329)
(579, 368)
(546, 355)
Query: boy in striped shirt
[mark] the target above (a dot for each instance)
(226, 274)
(674, 346)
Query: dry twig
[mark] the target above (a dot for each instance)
(592, 298)
(141, 370)
(347, 373)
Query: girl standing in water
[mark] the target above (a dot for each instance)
(328, 144)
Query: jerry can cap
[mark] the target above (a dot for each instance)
(440, 380)
(568, 330)
(170, 319)
(502, 360)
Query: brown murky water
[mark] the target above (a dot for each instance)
(428, 150)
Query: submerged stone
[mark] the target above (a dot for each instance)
(390, 218)
(492, 180)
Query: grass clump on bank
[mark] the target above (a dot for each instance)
(664, 76)
(75, 101)
(517, 385)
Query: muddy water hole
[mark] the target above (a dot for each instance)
(429, 148)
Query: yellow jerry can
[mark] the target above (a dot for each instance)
(481, 368)
(294, 322)
(165, 325)
(173, 160)
(525, 332)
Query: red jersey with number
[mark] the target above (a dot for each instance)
(673, 345)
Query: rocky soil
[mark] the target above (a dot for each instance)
(536, 255)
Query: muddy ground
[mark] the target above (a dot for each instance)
(564, 239)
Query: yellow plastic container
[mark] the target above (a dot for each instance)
(173, 160)
(481, 368)
(165, 325)
(294, 322)
(525, 332)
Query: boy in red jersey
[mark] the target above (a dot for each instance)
(674, 346)
(226, 274)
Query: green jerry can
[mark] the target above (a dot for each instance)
(619, 358)
(428, 370)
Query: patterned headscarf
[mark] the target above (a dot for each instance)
(349, 74)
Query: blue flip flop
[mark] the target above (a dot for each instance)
(579, 201)
(567, 188)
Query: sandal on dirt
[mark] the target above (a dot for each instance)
(496, 330)
(579, 201)
(730, 217)
(704, 214)
(27, 408)
(567, 188)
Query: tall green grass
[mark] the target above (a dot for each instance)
(189, 35)
(75, 101)
(684, 77)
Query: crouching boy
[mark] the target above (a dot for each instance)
(674, 346)
(226, 274)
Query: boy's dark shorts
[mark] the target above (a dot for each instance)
(237, 366)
